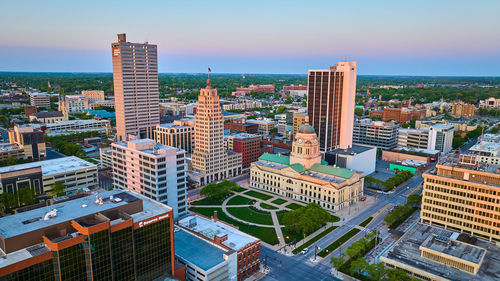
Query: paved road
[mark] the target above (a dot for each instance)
(300, 267)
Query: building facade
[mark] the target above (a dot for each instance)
(413, 138)
(48, 117)
(31, 141)
(243, 127)
(330, 104)
(462, 109)
(441, 138)
(180, 136)
(40, 100)
(402, 115)
(304, 177)
(299, 119)
(247, 145)
(210, 161)
(116, 235)
(265, 125)
(155, 170)
(463, 196)
(71, 104)
(76, 174)
(375, 133)
(135, 78)
(242, 250)
(93, 96)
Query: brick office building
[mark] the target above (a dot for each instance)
(402, 115)
(243, 127)
(246, 144)
(116, 235)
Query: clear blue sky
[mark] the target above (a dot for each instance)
(438, 37)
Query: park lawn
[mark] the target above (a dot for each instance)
(280, 215)
(240, 189)
(240, 200)
(366, 222)
(266, 234)
(267, 206)
(251, 215)
(279, 201)
(294, 206)
(206, 201)
(314, 239)
(348, 235)
(334, 219)
(258, 195)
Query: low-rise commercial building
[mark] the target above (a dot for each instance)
(75, 173)
(71, 104)
(265, 125)
(304, 177)
(432, 253)
(242, 127)
(105, 158)
(75, 126)
(241, 250)
(115, 235)
(486, 152)
(400, 115)
(437, 137)
(490, 103)
(48, 117)
(383, 135)
(360, 158)
(40, 100)
(155, 170)
(93, 96)
(460, 126)
(8, 150)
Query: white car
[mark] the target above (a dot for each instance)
(304, 251)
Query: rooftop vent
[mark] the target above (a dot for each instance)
(32, 220)
(51, 214)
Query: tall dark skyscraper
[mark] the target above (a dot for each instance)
(330, 104)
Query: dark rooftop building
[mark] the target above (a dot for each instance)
(115, 235)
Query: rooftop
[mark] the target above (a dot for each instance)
(53, 166)
(28, 221)
(355, 149)
(197, 251)
(48, 114)
(236, 239)
(451, 247)
(406, 251)
(277, 158)
(333, 171)
(6, 147)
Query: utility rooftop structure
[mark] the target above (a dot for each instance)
(65, 239)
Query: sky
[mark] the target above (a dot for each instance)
(385, 37)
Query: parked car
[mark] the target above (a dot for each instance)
(304, 251)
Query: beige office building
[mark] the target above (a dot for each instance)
(135, 77)
(171, 134)
(330, 104)
(93, 96)
(40, 100)
(303, 176)
(299, 119)
(462, 109)
(210, 160)
(463, 195)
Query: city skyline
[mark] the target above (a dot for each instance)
(432, 38)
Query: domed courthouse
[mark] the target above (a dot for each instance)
(304, 177)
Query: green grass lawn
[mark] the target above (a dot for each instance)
(206, 201)
(334, 219)
(251, 215)
(291, 236)
(266, 234)
(240, 189)
(258, 195)
(314, 239)
(294, 206)
(280, 215)
(279, 201)
(323, 253)
(267, 206)
(240, 200)
(366, 222)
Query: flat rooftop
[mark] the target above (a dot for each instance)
(236, 239)
(355, 149)
(486, 146)
(197, 251)
(406, 251)
(53, 166)
(21, 223)
(451, 247)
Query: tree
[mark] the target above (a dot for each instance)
(281, 109)
(58, 189)
(220, 190)
(26, 196)
(396, 274)
(359, 111)
(288, 100)
(414, 200)
(306, 219)
(376, 271)
(8, 200)
(337, 262)
(273, 130)
(359, 266)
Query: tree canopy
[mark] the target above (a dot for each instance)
(306, 219)
(220, 190)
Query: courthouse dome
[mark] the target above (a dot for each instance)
(306, 129)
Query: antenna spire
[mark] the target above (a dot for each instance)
(208, 80)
